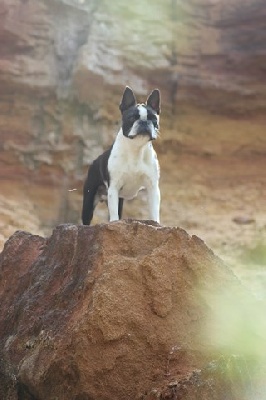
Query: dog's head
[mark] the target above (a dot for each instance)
(140, 119)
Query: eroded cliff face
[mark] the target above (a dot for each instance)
(63, 67)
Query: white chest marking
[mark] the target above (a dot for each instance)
(132, 165)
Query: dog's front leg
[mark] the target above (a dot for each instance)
(113, 203)
(154, 200)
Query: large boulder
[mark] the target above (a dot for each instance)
(113, 311)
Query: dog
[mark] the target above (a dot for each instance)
(130, 164)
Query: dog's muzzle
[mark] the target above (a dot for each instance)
(146, 128)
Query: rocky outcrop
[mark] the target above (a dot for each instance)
(116, 311)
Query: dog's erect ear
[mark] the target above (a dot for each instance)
(154, 101)
(128, 99)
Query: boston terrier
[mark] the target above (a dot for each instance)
(130, 164)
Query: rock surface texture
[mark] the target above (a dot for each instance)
(112, 311)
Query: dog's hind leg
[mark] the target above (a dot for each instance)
(120, 207)
(90, 189)
(88, 204)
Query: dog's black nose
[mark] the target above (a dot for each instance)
(143, 127)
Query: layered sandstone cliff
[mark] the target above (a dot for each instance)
(63, 67)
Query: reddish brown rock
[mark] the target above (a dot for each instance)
(112, 311)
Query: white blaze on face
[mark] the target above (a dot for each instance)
(142, 112)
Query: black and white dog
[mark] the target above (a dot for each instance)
(130, 164)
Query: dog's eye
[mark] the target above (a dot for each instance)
(132, 119)
(155, 123)
(153, 119)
